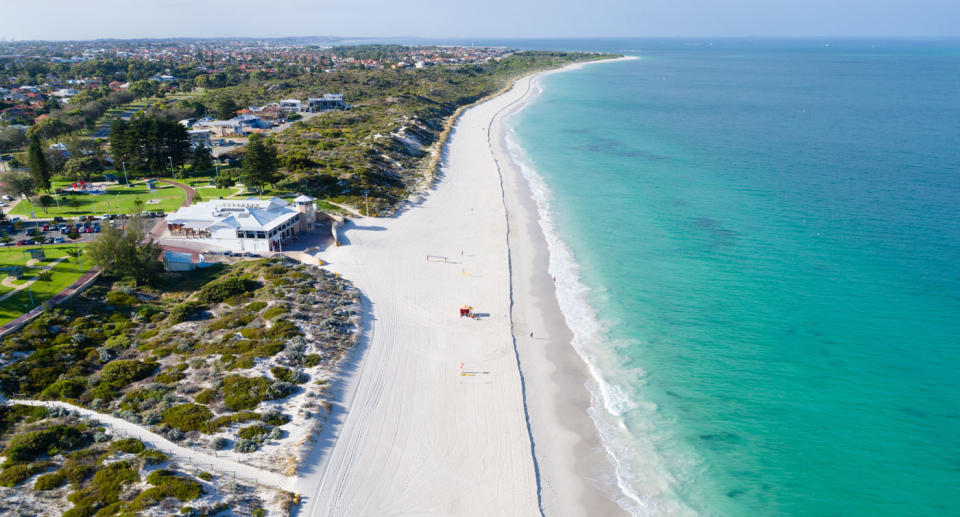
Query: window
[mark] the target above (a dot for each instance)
(239, 234)
(251, 235)
(261, 235)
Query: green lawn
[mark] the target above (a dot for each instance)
(208, 193)
(64, 274)
(118, 199)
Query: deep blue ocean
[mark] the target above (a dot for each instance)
(759, 244)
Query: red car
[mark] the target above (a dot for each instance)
(45, 228)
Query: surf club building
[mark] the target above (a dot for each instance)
(252, 224)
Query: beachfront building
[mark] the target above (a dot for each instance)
(329, 101)
(291, 105)
(199, 137)
(255, 225)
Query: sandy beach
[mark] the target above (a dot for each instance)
(414, 434)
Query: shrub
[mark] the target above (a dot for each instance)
(77, 474)
(256, 306)
(64, 389)
(275, 417)
(206, 396)
(16, 474)
(311, 360)
(283, 329)
(245, 392)
(274, 311)
(175, 486)
(125, 371)
(219, 443)
(256, 432)
(219, 290)
(120, 298)
(287, 375)
(187, 417)
(169, 377)
(241, 363)
(185, 311)
(245, 445)
(154, 457)
(45, 276)
(104, 489)
(27, 446)
(128, 445)
(223, 421)
(50, 481)
(206, 476)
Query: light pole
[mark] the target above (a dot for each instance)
(171, 166)
(124, 164)
(366, 203)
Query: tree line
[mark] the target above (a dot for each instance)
(149, 143)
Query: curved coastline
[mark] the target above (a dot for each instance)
(568, 387)
(512, 429)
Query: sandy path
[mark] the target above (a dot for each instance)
(418, 438)
(182, 454)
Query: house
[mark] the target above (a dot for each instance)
(257, 225)
(65, 92)
(290, 105)
(329, 101)
(199, 137)
(19, 113)
(221, 128)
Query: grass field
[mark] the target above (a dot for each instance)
(119, 199)
(64, 274)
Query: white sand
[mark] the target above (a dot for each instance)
(419, 438)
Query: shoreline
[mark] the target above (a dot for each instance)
(418, 435)
(577, 473)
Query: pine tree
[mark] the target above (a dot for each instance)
(259, 165)
(202, 159)
(37, 162)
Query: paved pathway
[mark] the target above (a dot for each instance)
(60, 297)
(158, 228)
(224, 466)
(8, 281)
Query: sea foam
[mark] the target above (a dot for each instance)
(609, 401)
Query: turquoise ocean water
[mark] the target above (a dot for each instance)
(758, 245)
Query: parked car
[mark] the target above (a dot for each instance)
(58, 219)
(59, 240)
(8, 198)
(45, 228)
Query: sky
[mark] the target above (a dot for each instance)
(92, 19)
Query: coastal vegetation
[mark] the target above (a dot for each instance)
(58, 463)
(195, 357)
(380, 150)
